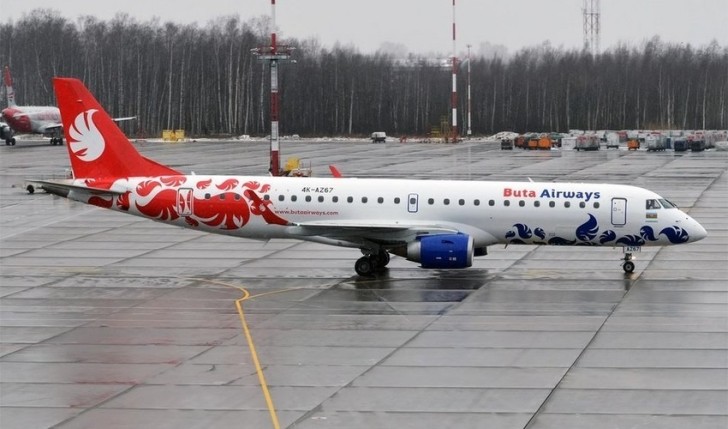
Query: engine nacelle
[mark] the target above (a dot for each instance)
(442, 251)
(6, 133)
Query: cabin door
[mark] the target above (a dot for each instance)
(619, 211)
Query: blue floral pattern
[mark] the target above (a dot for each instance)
(588, 234)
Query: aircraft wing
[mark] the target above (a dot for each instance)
(384, 232)
(126, 118)
(52, 127)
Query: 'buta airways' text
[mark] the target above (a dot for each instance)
(550, 193)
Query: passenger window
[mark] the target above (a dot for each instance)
(652, 205)
(335, 199)
(207, 196)
(396, 200)
(237, 197)
(506, 203)
(552, 204)
(380, 200)
(364, 199)
(430, 201)
(294, 198)
(281, 197)
(413, 201)
(308, 198)
(491, 203)
(461, 202)
(521, 203)
(567, 204)
(537, 203)
(221, 196)
(349, 199)
(265, 197)
(582, 204)
(446, 201)
(321, 198)
(596, 205)
(476, 202)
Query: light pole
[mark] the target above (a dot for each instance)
(470, 131)
(273, 54)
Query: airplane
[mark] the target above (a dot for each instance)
(439, 224)
(45, 120)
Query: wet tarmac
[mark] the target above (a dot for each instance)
(109, 320)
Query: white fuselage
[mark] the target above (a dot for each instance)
(33, 119)
(490, 212)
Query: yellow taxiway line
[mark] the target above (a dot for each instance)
(251, 345)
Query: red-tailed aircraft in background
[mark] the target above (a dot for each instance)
(45, 120)
(440, 224)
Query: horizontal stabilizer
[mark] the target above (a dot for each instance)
(63, 187)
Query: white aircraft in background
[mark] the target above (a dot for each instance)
(45, 120)
(440, 224)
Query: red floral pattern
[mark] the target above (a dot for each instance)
(161, 199)
(173, 180)
(162, 206)
(227, 214)
(204, 184)
(228, 185)
(146, 187)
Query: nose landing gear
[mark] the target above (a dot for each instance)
(628, 265)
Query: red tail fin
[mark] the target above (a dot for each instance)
(10, 93)
(96, 146)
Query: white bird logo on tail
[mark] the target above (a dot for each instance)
(87, 142)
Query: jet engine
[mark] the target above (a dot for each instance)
(442, 251)
(6, 133)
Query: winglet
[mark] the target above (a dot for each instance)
(96, 145)
(335, 171)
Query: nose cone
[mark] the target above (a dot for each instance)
(697, 232)
(693, 228)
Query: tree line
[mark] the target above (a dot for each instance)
(207, 81)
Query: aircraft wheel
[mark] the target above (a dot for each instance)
(12, 141)
(628, 267)
(364, 266)
(382, 258)
(30, 189)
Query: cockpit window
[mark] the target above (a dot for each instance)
(666, 204)
(652, 205)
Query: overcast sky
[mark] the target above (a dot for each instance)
(424, 26)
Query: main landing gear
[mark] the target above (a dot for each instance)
(370, 264)
(628, 265)
(57, 141)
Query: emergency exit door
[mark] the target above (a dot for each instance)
(184, 201)
(412, 203)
